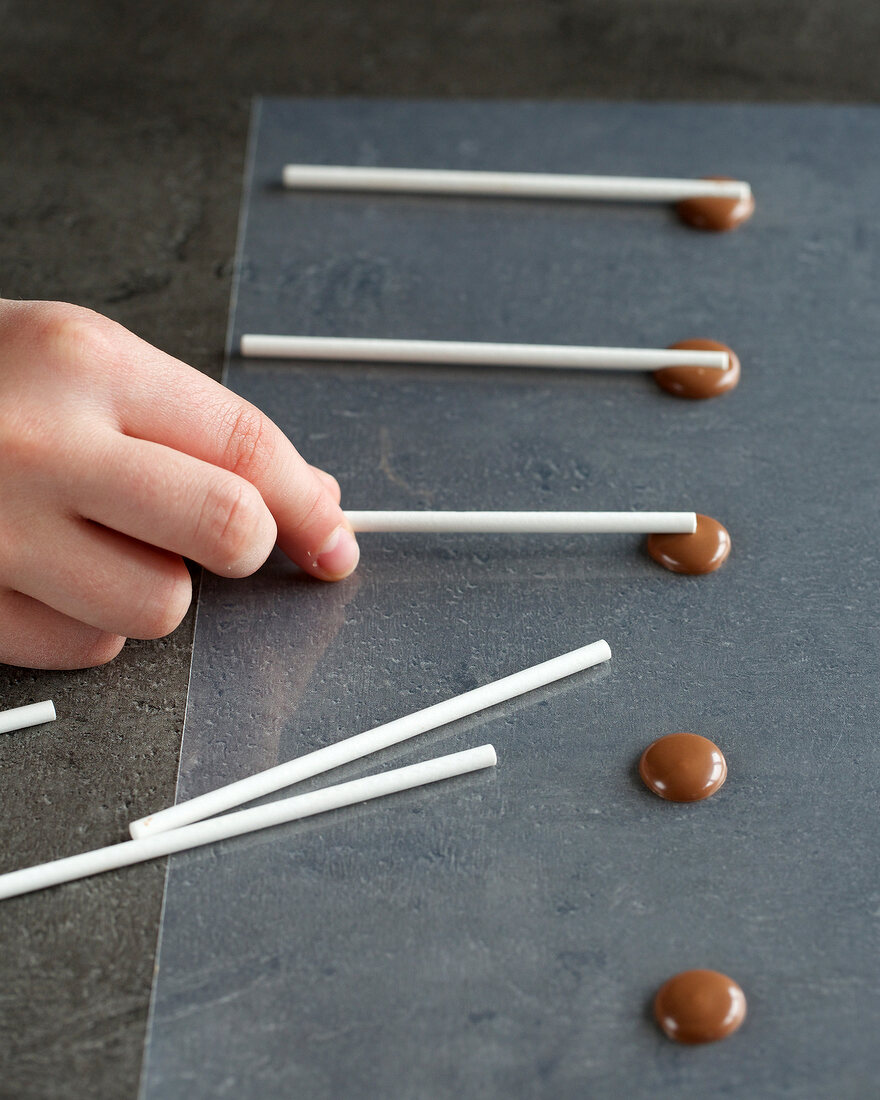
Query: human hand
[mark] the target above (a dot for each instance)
(116, 462)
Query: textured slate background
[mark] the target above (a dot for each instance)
(125, 131)
(503, 935)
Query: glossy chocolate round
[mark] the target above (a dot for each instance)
(683, 767)
(716, 214)
(699, 383)
(699, 1006)
(702, 552)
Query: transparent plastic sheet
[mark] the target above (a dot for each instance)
(502, 934)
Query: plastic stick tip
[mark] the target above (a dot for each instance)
(139, 829)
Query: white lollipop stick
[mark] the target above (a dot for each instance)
(362, 744)
(245, 821)
(475, 354)
(556, 523)
(34, 714)
(533, 185)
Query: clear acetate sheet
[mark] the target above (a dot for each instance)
(502, 934)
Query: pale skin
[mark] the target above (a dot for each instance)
(116, 463)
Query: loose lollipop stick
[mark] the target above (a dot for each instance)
(362, 744)
(536, 185)
(468, 353)
(567, 523)
(128, 852)
(34, 714)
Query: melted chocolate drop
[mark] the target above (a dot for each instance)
(683, 767)
(699, 1006)
(698, 383)
(716, 214)
(702, 552)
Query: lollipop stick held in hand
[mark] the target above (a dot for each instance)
(521, 523)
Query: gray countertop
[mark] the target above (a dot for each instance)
(125, 133)
(500, 936)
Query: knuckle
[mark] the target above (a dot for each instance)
(228, 523)
(70, 334)
(59, 342)
(250, 441)
(24, 446)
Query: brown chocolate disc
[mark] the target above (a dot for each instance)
(683, 767)
(698, 383)
(716, 214)
(699, 1006)
(702, 552)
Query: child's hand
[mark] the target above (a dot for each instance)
(116, 461)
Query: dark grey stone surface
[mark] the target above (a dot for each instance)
(124, 129)
(503, 935)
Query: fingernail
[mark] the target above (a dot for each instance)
(339, 554)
